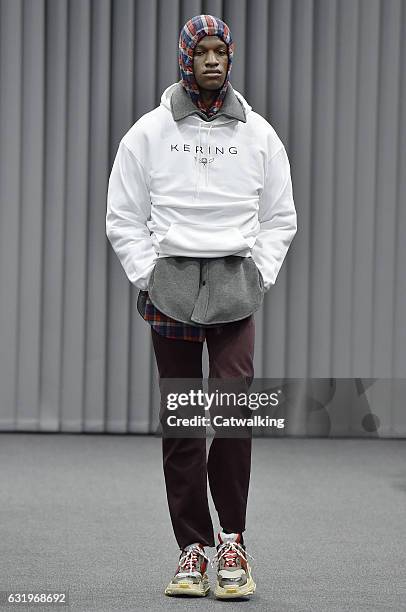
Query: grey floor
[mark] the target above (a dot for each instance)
(326, 522)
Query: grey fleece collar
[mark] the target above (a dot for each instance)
(182, 105)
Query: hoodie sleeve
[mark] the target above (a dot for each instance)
(277, 218)
(128, 209)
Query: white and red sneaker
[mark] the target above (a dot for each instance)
(190, 577)
(234, 578)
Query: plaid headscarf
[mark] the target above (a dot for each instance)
(194, 30)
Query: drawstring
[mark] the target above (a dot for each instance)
(198, 161)
(208, 154)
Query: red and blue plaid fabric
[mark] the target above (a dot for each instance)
(169, 327)
(193, 30)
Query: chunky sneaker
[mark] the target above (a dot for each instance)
(190, 577)
(234, 577)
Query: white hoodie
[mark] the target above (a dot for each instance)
(197, 188)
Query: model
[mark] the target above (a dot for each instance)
(200, 213)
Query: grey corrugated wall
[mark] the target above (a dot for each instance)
(75, 75)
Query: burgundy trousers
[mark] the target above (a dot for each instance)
(228, 464)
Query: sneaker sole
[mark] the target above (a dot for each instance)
(234, 592)
(189, 589)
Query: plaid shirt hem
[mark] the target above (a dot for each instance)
(170, 328)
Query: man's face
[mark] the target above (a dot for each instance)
(210, 62)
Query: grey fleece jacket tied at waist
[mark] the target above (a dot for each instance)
(205, 291)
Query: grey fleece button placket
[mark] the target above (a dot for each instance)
(200, 310)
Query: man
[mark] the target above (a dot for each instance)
(201, 215)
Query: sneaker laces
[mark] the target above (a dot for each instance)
(230, 551)
(190, 557)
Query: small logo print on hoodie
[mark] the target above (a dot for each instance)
(204, 160)
(215, 150)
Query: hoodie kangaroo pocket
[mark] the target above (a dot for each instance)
(188, 240)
